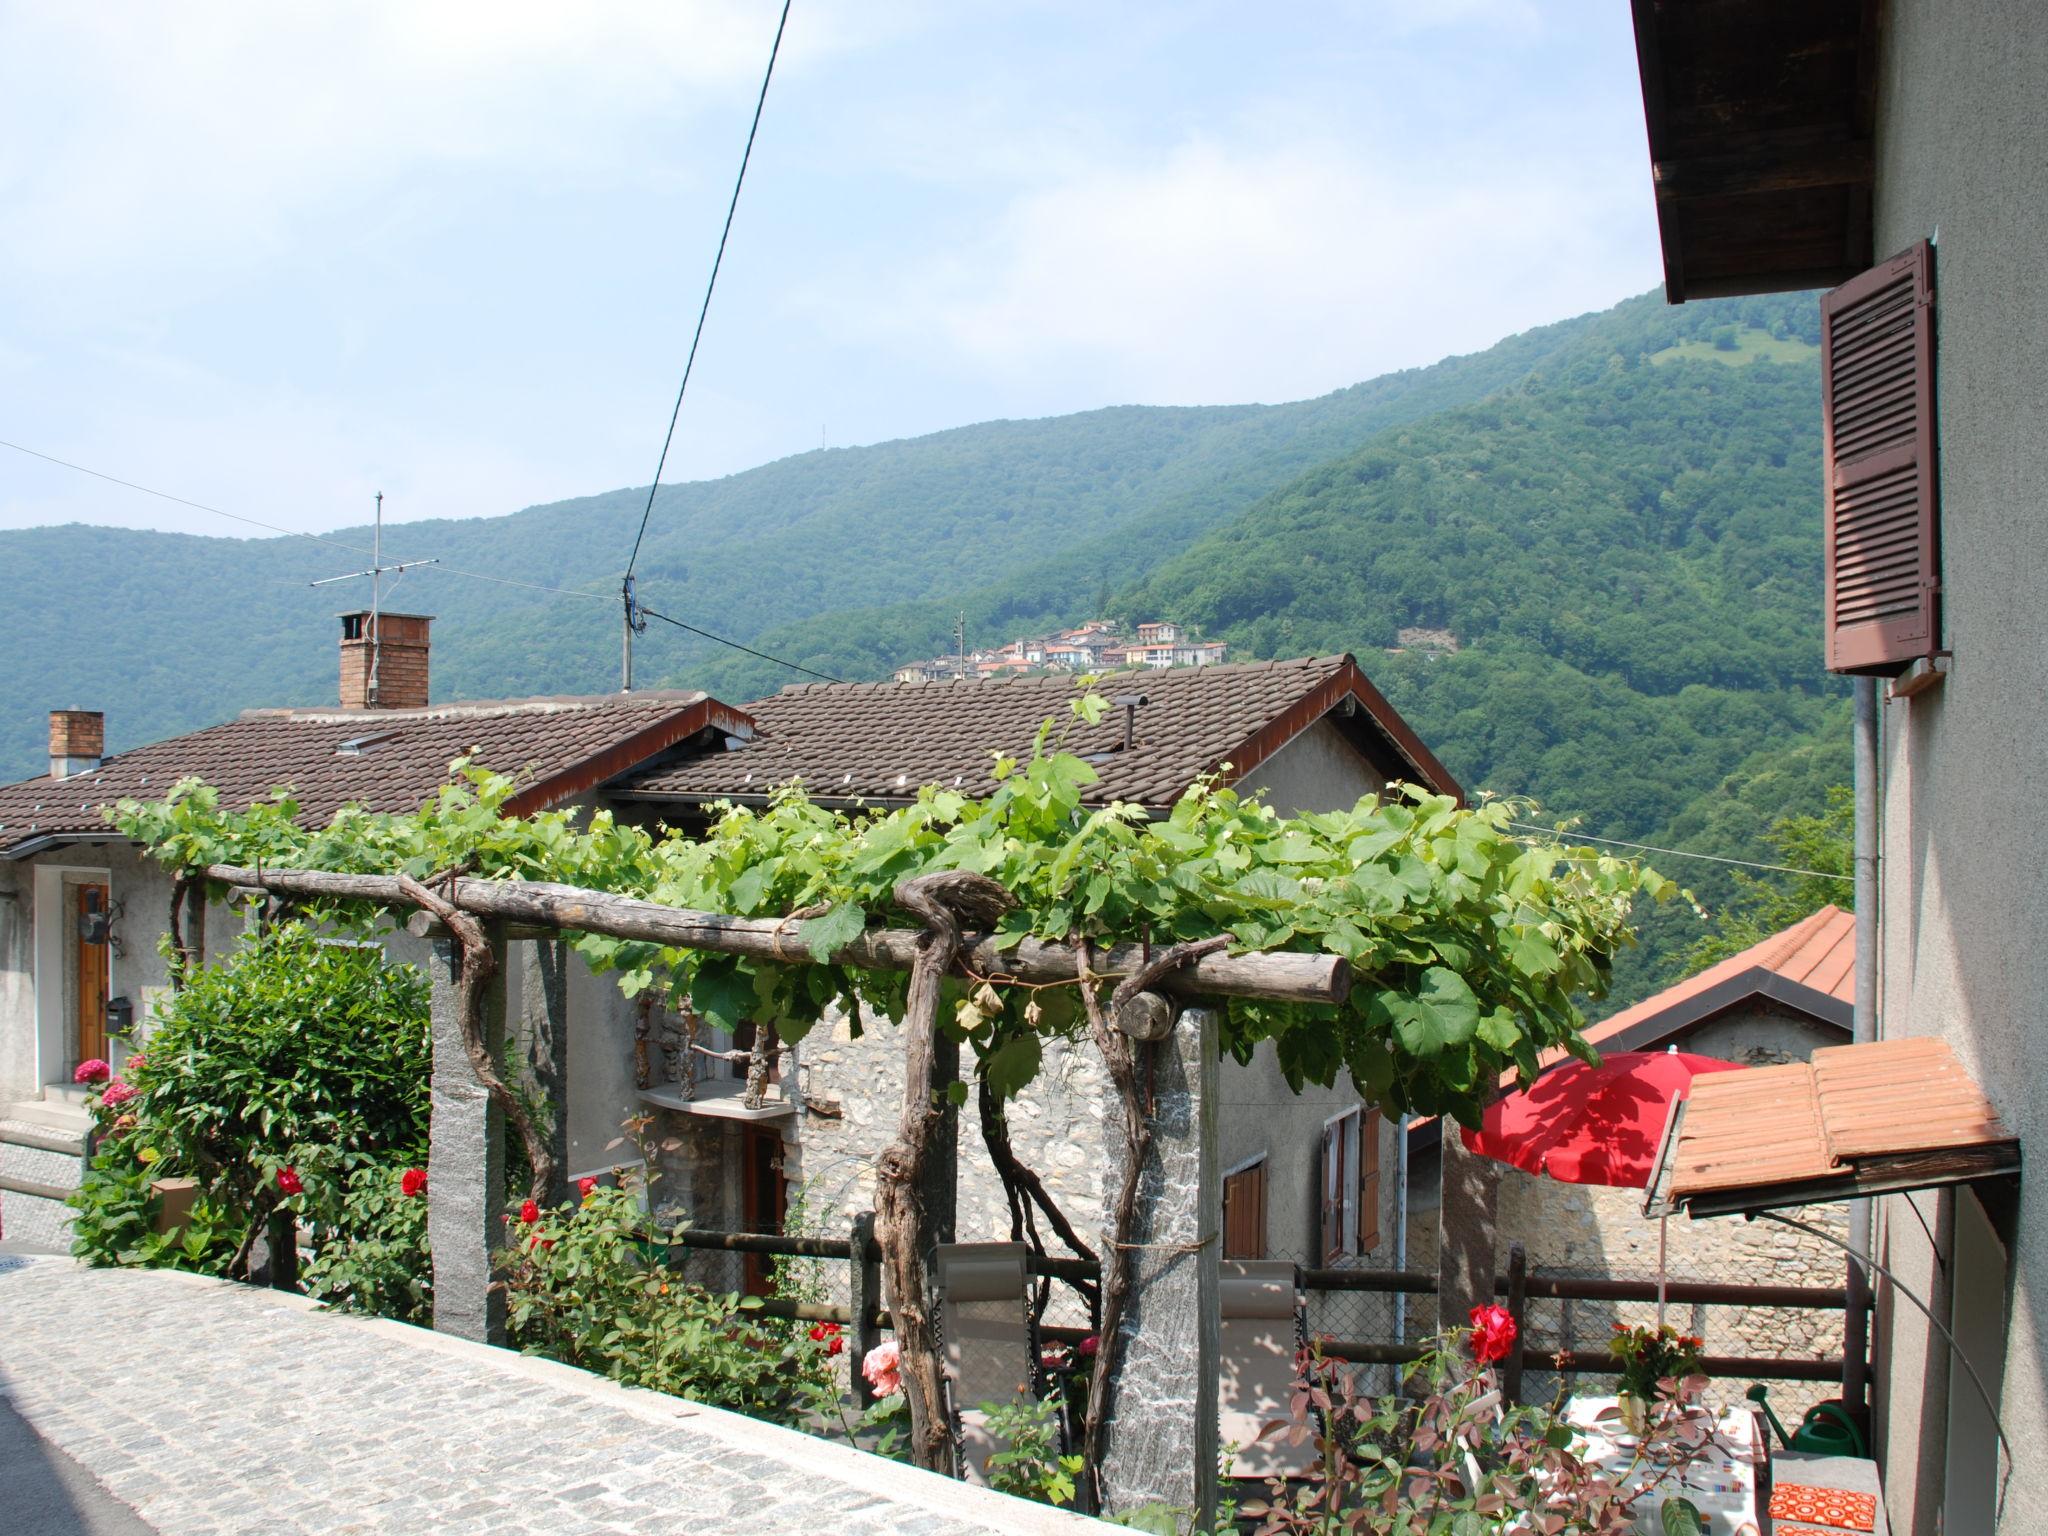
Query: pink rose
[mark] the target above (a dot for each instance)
(94, 1071)
(1493, 1334)
(115, 1093)
(883, 1368)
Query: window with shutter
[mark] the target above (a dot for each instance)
(1369, 1182)
(1340, 1188)
(1244, 1213)
(1877, 413)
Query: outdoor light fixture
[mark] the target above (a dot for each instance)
(95, 923)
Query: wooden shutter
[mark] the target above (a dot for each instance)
(1877, 415)
(1369, 1182)
(1244, 1214)
(1331, 1228)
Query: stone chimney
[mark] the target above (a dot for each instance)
(384, 660)
(78, 740)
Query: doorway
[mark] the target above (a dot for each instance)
(764, 1200)
(89, 916)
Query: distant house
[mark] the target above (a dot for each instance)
(81, 909)
(1301, 1172)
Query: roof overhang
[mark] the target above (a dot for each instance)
(1360, 710)
(632, 753)
(1762, 120)
(1858, 1120)
(44, 842)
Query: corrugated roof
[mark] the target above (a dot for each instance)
(882, 742)
(1888, 1114)
(558, 746)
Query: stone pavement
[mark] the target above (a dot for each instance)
(216, 1408)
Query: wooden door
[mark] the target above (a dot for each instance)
(764, 1203)
(86, 901)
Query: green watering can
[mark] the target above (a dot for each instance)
(1828, 1429)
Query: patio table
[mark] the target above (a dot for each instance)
(1723, 1484)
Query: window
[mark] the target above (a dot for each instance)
(1244, 1212)
(1351, 1185)
(1878, 461)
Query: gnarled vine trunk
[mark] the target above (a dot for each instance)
(904, 1224)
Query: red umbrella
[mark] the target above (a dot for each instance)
(1592, 1125)
(1595, 1125)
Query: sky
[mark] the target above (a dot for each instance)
(277, 258)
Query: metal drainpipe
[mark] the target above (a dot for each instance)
(1855, 1328)
(1401, 1230)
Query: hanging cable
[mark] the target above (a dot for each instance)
(648, 613)
(1677, 853)
(705, 309)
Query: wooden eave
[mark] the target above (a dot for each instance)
(1761, 117)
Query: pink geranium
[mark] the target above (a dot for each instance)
(116, 1093)
(883, 1368)
(94, 1071)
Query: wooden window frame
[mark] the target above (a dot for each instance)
(1259, 1190)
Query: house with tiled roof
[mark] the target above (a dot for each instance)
(1301, 1171)
(81, 910)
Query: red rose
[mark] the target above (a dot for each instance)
(412, 1182)
(584, 1187)
(1493, 1334)
(288, 1180)
(529, 1212)
(1088, 1346)
(828, 1335)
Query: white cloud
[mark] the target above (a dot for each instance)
(1222, 271)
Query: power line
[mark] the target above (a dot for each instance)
(295, 533)
(1680, 853)
(705, 309)
(693, 629)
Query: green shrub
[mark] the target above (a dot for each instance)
(375, 1258)
(586, 1288)
(271, 1079)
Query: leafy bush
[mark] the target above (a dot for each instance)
(585, 1287)
(271, 1080)
(1030, 1465)
(375, 1258)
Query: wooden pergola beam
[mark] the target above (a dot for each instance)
(542, 905)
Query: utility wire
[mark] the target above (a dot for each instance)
(705, 309)
(295, 533)
(1679, 853)
(693, 629)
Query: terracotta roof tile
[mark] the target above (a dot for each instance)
(558, 746)
(885, 741)
(1890, 1113)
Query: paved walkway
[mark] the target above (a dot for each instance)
(214, 1408)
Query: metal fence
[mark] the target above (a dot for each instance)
(1382, 1317)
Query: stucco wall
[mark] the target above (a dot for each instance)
(1317, 771)
(1963, 158)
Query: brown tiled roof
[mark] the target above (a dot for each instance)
(1889, 1114)
(882, 742)
(559, 747)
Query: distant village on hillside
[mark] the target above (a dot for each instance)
(1096, 646)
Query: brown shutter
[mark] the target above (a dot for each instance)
(1244, 1214)
(1877, 416)
(1369, 1182)
(1331, 1173)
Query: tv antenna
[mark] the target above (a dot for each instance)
(377, 571)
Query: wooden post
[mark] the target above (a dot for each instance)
(465, 1161)
(1518, 1309)
(1159, 1441)
(864, 1299)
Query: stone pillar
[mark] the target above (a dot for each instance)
(544, 1045)
(1160, 1444)
(1466, 1216)
(466, 1161)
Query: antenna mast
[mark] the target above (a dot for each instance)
(376, 575)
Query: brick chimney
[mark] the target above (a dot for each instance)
(78, 740)
(384, 660)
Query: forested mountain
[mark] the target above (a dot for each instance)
(1616, 517)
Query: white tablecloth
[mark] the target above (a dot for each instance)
(1722, 1484)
